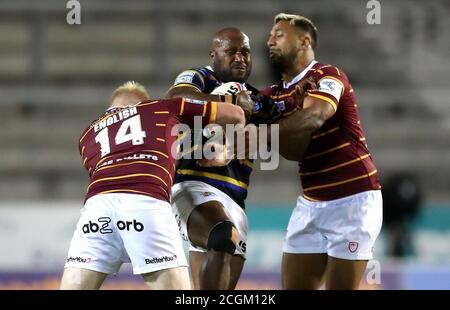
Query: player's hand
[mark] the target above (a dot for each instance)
(245, 102)
(218, 162)
(266, 111)
(300, 90)
(219, 155)
(307, 84)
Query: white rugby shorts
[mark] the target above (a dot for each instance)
(117, 227)
(344, 228)
(187, 195)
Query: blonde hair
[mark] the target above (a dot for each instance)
(301, 22)
(131, 87)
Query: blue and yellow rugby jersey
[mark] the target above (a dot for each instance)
(232, 179)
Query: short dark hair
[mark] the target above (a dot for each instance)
(301, 22)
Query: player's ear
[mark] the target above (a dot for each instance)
(305, 41)
(212, 55)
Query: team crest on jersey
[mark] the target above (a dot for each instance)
(353, 246)
(195, 101)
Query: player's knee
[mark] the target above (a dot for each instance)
(223, 238)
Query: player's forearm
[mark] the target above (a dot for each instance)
(229, 114)
(294, 150)
(296, 131)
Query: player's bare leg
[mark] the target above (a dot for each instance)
(81, 279)
(237, 264)
(215, 272)
(168, 279)
(196, 260)
(303, 271)
(344, 274)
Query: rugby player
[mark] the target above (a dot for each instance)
(209, 201)
(127, 215)
(332, 230)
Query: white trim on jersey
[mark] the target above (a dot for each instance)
(300, 76)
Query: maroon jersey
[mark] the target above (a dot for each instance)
(337, 162)
(128, 150)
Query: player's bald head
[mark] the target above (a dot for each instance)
(225, 35)
(230, 55)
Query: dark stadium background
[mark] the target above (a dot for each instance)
(55, 78)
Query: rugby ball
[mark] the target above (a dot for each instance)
(229, 88)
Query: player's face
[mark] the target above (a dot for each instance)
(232, 59)
(284, 45)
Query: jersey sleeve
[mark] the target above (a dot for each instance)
(186, 109)
(331, 85)
(190, 78)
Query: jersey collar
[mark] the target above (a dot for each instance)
(300, 76)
